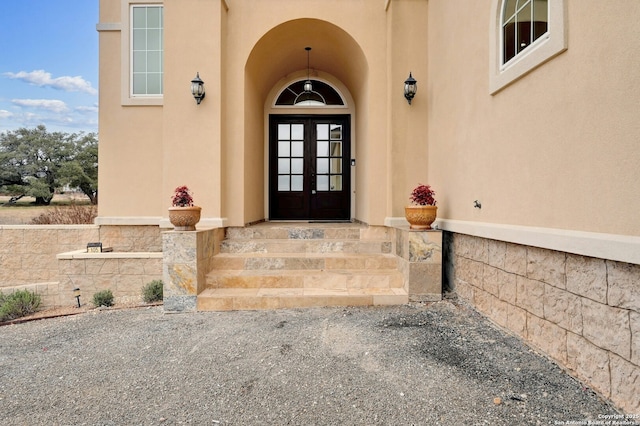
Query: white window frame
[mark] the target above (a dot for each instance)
(549, 45)
(126, 87)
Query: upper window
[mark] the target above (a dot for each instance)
(146, 50)
(524, 35)
(523, 22)
(309, 93)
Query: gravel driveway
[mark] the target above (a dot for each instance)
(439, 364)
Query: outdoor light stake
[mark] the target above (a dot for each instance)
(197, 88)
(76, 294)
(410, 88)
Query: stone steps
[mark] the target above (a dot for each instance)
(273, 266)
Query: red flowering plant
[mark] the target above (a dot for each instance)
(182, 197)
(422, 195)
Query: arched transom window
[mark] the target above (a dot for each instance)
(523, 22)
(302, 94)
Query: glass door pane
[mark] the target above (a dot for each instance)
(290, 157)
(329, 157)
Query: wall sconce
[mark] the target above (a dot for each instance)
(410, 88)
(76, 294)
(197, 88)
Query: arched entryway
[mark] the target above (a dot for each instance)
(310, 150)
(327, 174)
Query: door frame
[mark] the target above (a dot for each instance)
(348, 108)
(310, 199)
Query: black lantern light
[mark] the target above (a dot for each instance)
(410, 88)
(197, 88)
(308, 87)
(76, 294)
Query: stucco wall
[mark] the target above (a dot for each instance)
(131, 148)
(241, 50)
(555, 149)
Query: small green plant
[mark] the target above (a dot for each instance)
(18, 304)
(103, 298)
(152, 292)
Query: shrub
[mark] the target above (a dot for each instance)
(103, 298)
(152, 292)
(18, 304)
(68, 215)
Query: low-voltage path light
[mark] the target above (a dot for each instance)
(76, 294)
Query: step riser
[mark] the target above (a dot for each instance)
(294, 301)
(380, 233)
(293, 233)
(300, 263)
(305, 246)
(309, 280)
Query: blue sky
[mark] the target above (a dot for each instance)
(49, 65)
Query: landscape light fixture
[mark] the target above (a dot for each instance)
(76, 294)
(410, 88)
(197, 88)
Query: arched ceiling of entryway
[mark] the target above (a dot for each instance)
(281, 51)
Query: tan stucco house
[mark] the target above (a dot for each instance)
(526, 122)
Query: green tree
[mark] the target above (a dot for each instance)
(81, 170)
(35, 162)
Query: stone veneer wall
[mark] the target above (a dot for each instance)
(582, 312)
(188, 258)
(420, 261)
(28, 254)
(123, 273)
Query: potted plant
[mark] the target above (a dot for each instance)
(183, 215)
(422, 211)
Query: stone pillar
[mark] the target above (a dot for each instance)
(420, 254)
(186, 261)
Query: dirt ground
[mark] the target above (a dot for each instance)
(24, 210)
(439, 364)
(63, 311)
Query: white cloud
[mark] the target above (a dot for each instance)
(93, 109)
(5, 114)
(46, 104)
(43, 79)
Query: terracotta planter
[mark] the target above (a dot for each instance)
(420, 217)
(184, 218)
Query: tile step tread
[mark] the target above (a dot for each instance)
(280, 272)
(285, 298)
(325, 239)
(292, 291)
(310, 255)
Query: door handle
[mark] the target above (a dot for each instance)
(313, 183)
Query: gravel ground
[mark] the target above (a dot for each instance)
(437, 364)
